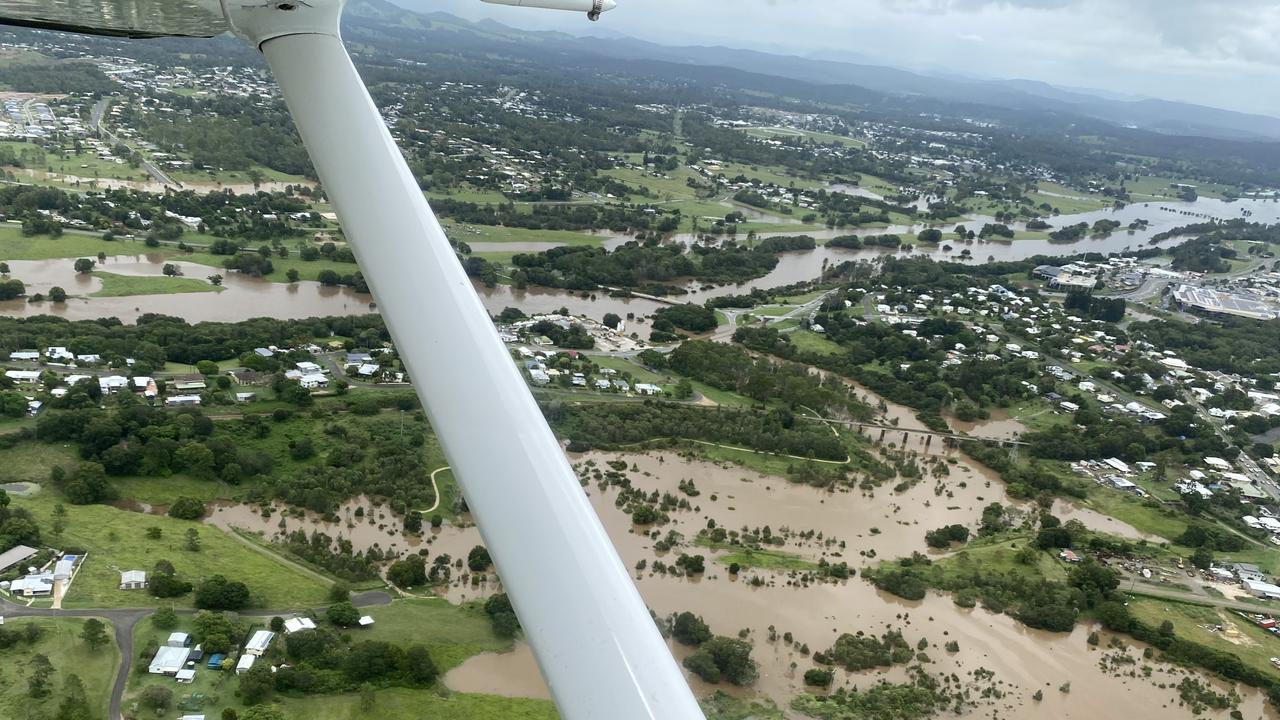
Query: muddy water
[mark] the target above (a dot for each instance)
(817, 614)
(247, 297)
(379, 528)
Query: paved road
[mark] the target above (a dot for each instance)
(95, 122)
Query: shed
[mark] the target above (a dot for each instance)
(186, 675)
(133, 580)
(245, 662)
(215, 661)
(366, 621)
(15, 555)
(293, 625)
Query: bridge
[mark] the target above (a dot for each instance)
(885, 429)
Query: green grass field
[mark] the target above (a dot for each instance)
(114, 285)
(1253, 645)
(69, 655)
(762, 559)
(16, 246)
(402, 704)
(806, 341)
(114, 540)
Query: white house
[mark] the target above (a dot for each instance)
(368, 369)
(259, 643)
(89, 358)
(181, 400)
(648, 389)
(33, 585)
(308, 368)
(313, 381)
(59, 353)
(169, 660)
(27, 355)
(110, 384)
(293, 625)
(246, 661)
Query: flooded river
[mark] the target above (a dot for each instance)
(245, 297)
(882, 522)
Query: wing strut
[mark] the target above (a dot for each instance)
(591, 632)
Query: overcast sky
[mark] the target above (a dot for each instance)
(1223, 53)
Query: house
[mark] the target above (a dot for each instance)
(26, 355)
(245, 397)
(602, 384)
(133, 579)
(308, 368)
(1068, 406)
(141, 384)
(89, 358)
(59, 353)
(1069, 556)
(1217, 463)
(111, 384)
(246, 661)
(182, 400)
(187, 385)
(186, 676)
(26, 377)
(264, 352)
(1249, 572)
(168, 660)
(1264, 590)
(33, 585)
(15, 555)
(358, 358)
(313, 381)
(368, 369)
(539, 377)
(259, 643)
(293, 625)
(648, 389)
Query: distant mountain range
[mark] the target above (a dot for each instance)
(1162, 116)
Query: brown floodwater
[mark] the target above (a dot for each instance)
(246, 297)
(816, 614)
(378, 528)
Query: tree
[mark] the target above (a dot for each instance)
(339, 592)
(419, 666)
(478, 559)
(94, 633)
(219, 593)
(88, 484)
(171, 270)
(165, 619)
(1202, 558)
(343, 614)
(612, 321)
(57, 294)
(38, 671)
(157, 697)
(4, 268)
(186, 507)
(75, 703)
(291, 275)
(730, 657)
(819, 677)
(84, 265)
(408, 572)
(689, 629)
(193, 540)
(256, 684)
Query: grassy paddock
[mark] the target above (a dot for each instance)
(114, 285)
(61, 643)
(114, 540)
